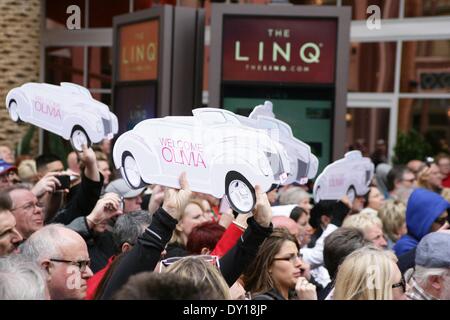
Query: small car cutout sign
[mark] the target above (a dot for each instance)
(219, 154)
(349, 176)
(67, 110)
(304, 164)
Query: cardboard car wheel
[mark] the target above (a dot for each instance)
(78, 138)
(130, 171)
(351, 194)
(13, 111)
(240, 193)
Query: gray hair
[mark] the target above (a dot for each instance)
(421, 274)
(130, 226)
(44, 243)
(293, 196)
(21, 279)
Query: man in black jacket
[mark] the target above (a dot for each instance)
(146, 253)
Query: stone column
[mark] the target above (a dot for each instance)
(19, 60)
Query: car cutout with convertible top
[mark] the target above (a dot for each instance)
(219, 154)
(303, 163)
(349, 176)
(67, 110)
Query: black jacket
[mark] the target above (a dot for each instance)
(82, 202)
(146, 253)
(407, 260)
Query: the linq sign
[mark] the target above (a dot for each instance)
(435, 81)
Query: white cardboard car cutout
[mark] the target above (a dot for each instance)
(304, 164)
(67, 110)
(349, 176)
(219, 154)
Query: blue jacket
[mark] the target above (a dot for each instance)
(423, 208)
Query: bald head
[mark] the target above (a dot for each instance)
(287, 223)
(63, 254)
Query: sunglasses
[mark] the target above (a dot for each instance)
(214, 260)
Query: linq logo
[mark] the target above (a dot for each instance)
(48, 108)
(182, 152)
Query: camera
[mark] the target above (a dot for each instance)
(429, 161)
(64, 180)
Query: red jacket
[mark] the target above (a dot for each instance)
(446, 182)
(94, 281)
(227, 241)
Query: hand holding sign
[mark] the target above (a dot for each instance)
(176, 200)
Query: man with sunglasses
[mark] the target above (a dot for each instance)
(63, 255)
(430, 279)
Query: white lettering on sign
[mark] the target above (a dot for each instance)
(308, 52)
(46, 107)
(182, 152)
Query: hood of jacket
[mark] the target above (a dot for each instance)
(423, 208)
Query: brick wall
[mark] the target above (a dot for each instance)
(19, 60)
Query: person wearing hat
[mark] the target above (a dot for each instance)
(8, 174)
(132, 198)
(431, 276)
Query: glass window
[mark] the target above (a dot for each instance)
(426, 66)
(101, 12)
(56, 13)
(388, 9)
(372, 67)
(431, 118)
(414, 8)
(64, 64)
(367, 131)
(100, 67)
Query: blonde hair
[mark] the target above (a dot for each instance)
(393, 216)
(201, 272)
(362, 221)
(176, 236)
(366, 274)
(293, 195)
(446, 194)
(27, 171)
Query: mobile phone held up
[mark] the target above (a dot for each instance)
(64, 180)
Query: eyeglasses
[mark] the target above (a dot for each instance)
(401, 284)
(81, 264)
(214, 260)
(292, 258)
(441, 221)
(30, 206)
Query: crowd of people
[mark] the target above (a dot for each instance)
(81, 233)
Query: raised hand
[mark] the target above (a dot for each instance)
(262, 211)
(305, 290)
(105, 209)
(176, 199)
(156, 198)
(47, 184)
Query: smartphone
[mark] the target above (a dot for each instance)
(65, 182)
